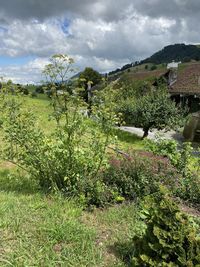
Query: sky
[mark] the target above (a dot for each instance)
(103, 34)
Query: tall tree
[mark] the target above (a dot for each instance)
(156, 110)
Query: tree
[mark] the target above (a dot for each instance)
(154, 67)
(89, 75)
(156, 110)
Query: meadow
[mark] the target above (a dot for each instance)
(96, 220)
(39, 229)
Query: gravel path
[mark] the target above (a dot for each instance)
(152, 134)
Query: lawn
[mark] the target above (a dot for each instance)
(49, 230)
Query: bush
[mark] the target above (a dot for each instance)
(170, 237)
(34, 94)
(139, 174)
(154, 67)
(68, 159)
(188, 187)
(39, 90)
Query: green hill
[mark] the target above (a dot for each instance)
(177, 52)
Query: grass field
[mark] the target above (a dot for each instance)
(49, 230)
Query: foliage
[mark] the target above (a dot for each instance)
(138, 174)
(125, 94)
(180, 157)
(91, 76)
(189, 189)
(170, 237)
(59, 68)
(153, 67)
(70, 158)
(156, 110)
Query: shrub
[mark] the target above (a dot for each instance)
(188, 187)
(170, 238)
(139, 174)
(179, 156)
(34, 94)
(68, 159)
(154, 67)
(39, 90)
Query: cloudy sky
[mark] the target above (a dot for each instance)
(103, 34)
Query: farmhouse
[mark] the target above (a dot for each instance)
(184, 88)
(184, 85)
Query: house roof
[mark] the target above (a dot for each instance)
(188, 80)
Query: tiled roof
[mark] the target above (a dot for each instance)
(188, 80)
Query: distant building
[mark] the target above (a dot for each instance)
(185, 86)
(173, 65)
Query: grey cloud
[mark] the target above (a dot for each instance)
(102, 33)
(108, 10)
(42, 9)
(170, 9)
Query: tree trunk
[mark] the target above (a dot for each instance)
(146, 132)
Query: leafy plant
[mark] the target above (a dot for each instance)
(139, 174)
(170, 238)
(70, 158)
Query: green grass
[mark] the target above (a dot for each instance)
(42, 110)
(128, 141)
(49, 230)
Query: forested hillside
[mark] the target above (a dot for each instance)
(177, 52)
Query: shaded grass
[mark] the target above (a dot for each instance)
(13, 180)
(44, 231)
(49, 230)
(113, 226)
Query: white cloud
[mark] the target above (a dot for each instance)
(98, 33)
(30, 72)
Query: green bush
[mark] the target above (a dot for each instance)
(188, 187)
(70, 158)
(179, 156)
(139, 174)
(170, 237)
(154, 67)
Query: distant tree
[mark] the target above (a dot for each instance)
(89, 75)
(186, 59)
(154, 67)
(146, 67)
(156, 110)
